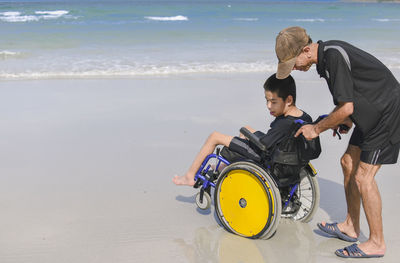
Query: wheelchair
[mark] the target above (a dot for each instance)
(250, 199)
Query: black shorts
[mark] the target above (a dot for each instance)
(240, 149)
(387, 154)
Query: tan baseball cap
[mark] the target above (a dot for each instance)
(289, 43)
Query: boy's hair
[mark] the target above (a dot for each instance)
(282, 87)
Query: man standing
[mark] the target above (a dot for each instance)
(367, 94)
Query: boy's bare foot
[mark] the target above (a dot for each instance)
(183, 180)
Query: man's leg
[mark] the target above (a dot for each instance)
(350, 161)
(212, 141)
(372, 204)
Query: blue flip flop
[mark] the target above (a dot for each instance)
(353, 251)
(333, 229)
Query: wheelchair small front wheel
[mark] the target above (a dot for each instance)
(205, 203)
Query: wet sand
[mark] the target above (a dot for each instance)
(86, 168)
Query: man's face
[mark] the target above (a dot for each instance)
(303, 62)
(275, 104)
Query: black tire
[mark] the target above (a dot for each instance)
(308, 194)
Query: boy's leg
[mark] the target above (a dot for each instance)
(212, 141)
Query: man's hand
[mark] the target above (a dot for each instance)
(343, 128)
(308, 132)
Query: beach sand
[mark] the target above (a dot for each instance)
(86, 168)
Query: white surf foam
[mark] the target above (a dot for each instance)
(111, 71)
(309, 20)
(16, 17)
(386, 19)
(249, 19)
(4, 54)
(57, 12)
(11, 13)
(51, 14)
(13, 16)
(167, 18)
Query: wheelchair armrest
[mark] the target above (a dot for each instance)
(254, 139)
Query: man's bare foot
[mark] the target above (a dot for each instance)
(345, 229)
(183, 180)
(370, 248)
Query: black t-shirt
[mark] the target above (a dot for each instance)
(355, 76)
(280, 128)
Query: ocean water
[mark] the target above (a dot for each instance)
(129, 38)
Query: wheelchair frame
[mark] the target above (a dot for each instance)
(207, 176)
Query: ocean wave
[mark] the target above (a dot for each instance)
(52, 14)
(309, 20)
(14, 16)
(11, 13)
(110, 69)
(143, 70)
(4, 54)
(167, 18)
(249, 19)
(386, 19)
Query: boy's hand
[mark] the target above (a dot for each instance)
(250, 129)
(308, 132)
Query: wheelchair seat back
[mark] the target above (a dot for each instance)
(291, 155)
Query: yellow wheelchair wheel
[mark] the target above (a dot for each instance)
(247, 201)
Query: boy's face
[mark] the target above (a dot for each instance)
(276, 105)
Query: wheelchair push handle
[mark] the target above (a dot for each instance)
(300, 122)
(320, 118)
(254, 139)
(296, 126)
(342, 127)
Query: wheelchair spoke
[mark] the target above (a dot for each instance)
(304, 201)
(305, 183)
(305, 209)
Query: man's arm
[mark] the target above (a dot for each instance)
(338, 116)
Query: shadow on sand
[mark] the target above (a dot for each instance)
(332, 198)
(191, 200)
(333, 202)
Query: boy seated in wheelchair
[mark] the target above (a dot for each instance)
(281, 103)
